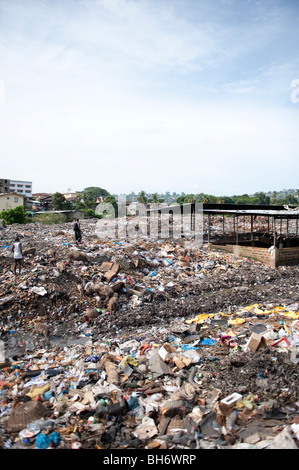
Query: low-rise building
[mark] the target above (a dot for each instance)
(45, 199)
(70, 196)
(10, 201)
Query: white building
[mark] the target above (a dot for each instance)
(21, 187)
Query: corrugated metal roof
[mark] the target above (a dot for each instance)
(236, 209)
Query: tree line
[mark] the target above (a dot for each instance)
(87, 201)
(258, 198)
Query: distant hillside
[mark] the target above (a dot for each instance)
(283, 193)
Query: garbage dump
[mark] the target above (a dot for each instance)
(144, 344)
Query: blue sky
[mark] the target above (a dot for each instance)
(171, 95)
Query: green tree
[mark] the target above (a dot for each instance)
(200, 197)
(58, 201)
(108, 200)
(190, 198)
(142, 199)
(260, 198)
(79, 205)
(89, 196)
(273, 199)
(289, 199)
(89, 199)
(205, 198)
(242, 199)
(97, 191)
(180, 199)
(14, 216)
(155, 198)
(68, 206)
(211, 198)
(225, 200)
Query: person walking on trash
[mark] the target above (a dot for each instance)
(77, 230)
(18, 255)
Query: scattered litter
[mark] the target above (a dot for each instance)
(200, 349)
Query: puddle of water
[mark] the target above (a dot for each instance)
(19, 345)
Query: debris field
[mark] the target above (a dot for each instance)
(144, 344)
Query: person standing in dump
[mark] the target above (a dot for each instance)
(18, 255)
(77, 230)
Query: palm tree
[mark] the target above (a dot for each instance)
(142, 199)
(273, 199)
(155, 198)
(191, 199)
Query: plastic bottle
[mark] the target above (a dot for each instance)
(216, 426)
(138, 414)
(8, 444)
(231, 420)
(35, 427)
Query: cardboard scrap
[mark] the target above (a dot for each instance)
(109, 269)
(111, 272)
(158, 366)
(165, 351)
(256, 342)
(182, 361)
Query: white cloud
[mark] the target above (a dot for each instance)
(126, 94)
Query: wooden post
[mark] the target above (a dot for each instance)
(235, 226)
(159, 224)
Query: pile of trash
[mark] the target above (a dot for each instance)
(144, 344)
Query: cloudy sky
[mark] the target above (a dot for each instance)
(155, 95)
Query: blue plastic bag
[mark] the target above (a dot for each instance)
(42, 441)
